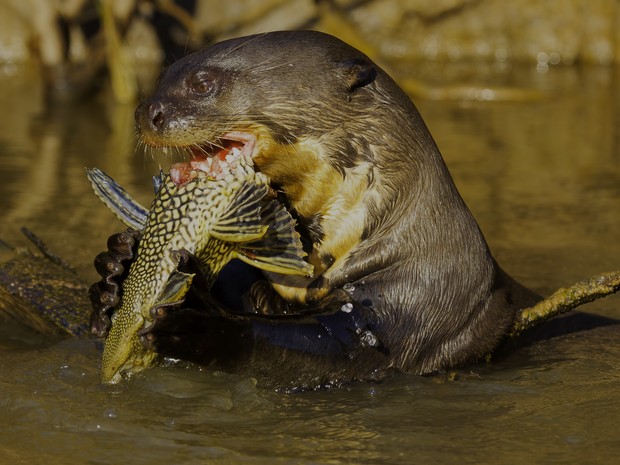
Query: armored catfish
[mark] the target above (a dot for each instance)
(214, 218)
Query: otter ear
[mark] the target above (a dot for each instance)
(358, 73)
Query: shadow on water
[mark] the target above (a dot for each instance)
(542, 178)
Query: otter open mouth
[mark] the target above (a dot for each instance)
(219, 160)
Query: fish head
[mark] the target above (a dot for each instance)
(123, 353)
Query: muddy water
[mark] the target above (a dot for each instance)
(542, 177)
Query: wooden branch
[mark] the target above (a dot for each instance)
(565, 299)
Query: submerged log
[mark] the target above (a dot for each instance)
(43, 293)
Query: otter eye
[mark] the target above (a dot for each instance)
(203, 86)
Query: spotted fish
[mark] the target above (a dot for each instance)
(214, 219)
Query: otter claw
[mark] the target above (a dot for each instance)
(107, 266)
(148, 340)
(158, 312)
(104, 298)
(121, 244)
(100, 325)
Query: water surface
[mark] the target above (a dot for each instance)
(541, 176)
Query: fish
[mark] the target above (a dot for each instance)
(215, 218)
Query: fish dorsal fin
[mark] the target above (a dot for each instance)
(280, 249)
(175, 289)
(116, 199)
(241, 222)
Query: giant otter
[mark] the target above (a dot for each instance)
(404, 278)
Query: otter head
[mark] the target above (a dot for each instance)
(279, 95)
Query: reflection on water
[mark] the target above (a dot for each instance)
(543, 179)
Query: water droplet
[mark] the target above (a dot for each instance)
(347, 308)
(542, 58)
(348, 287)
(110, 413)
(555, 58)
(369, 339)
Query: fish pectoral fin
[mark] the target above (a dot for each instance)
(175, 289)
(242, 220)
(280, 249)
(117, 199)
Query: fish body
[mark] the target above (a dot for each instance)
(214, 219)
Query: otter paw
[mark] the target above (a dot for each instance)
(105, 295)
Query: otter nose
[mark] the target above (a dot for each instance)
(151, 115)
(156, 115)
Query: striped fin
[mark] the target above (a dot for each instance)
(241, 222)
(116, 199)
(280, 249)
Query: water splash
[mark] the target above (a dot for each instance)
(369, 339)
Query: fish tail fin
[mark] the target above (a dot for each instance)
(117, 199)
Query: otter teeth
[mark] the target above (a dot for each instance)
(202, 165)
(220, 168)
(233, 154)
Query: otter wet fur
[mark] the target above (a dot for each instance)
(404, 279)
